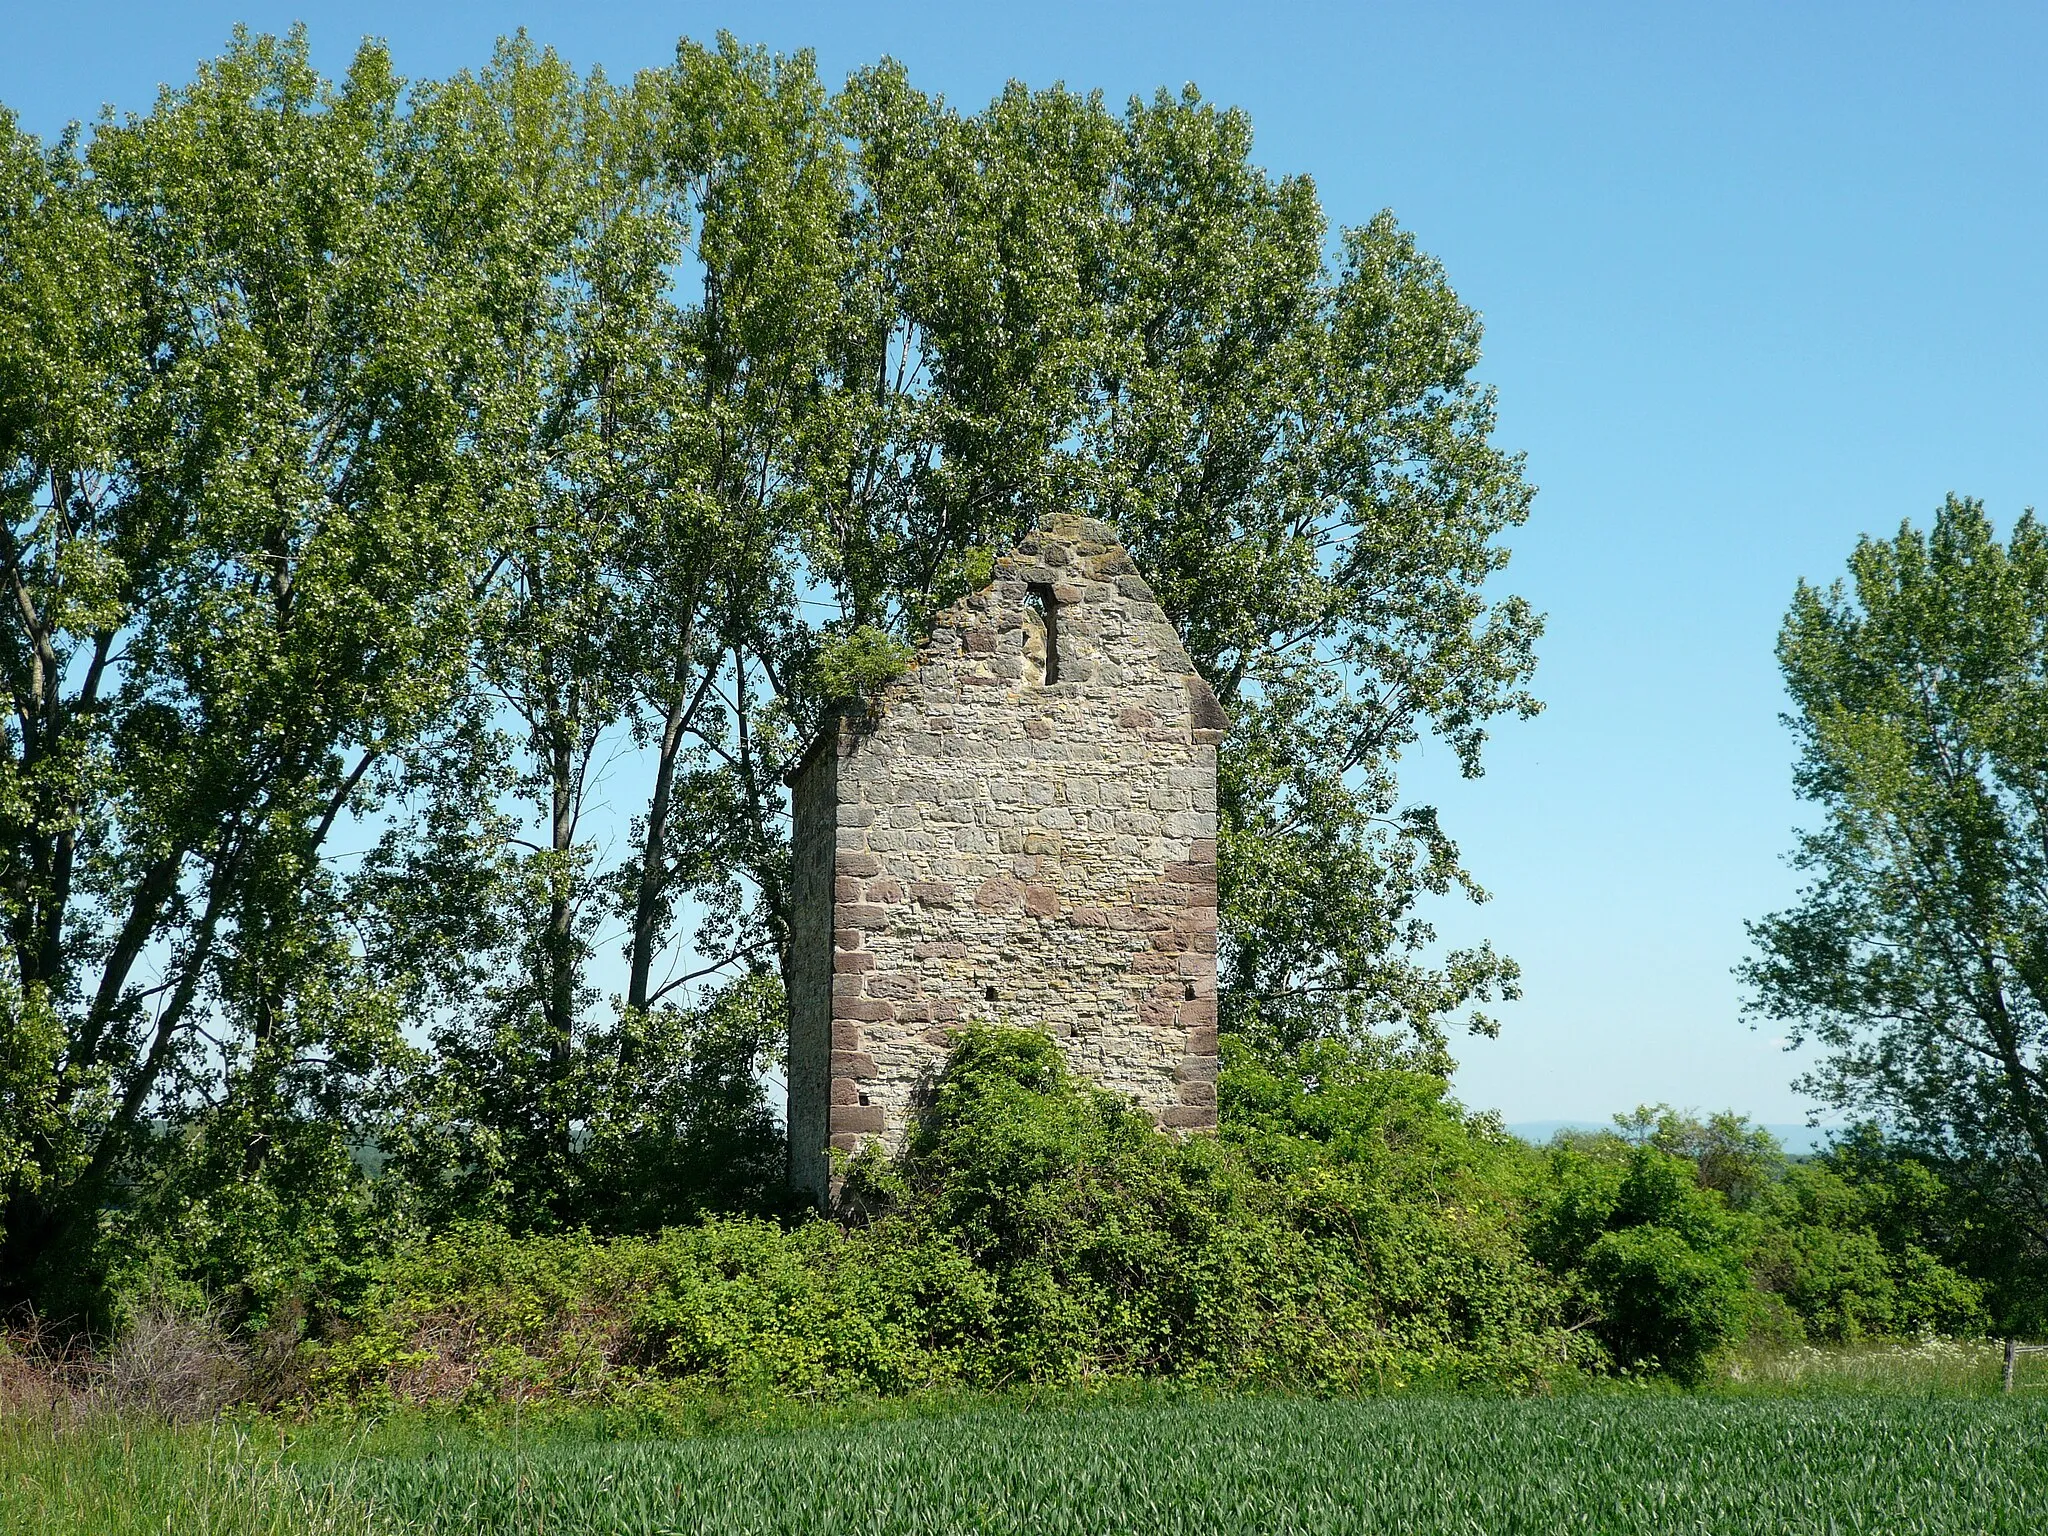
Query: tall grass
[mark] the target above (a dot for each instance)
(109, 1478)
(1961, 1367)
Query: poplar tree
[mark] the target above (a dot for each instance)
(1916, 956)
(240, 534)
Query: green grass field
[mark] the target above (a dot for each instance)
(1608, 1462)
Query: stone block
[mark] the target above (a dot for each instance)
(866, 1010)
(1000, 893)
(894, 984)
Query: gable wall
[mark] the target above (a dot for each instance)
(1041, 855)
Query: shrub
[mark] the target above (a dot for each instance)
(1665, 1304)
(1035, 1230)
(1656, 1257)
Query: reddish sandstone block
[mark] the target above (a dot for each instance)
(858, 1117)
(853, 1066)
(867, 1010)
(998, 893)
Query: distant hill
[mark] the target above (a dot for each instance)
(1796, 1139)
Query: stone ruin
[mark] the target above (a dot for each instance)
(1020, 831)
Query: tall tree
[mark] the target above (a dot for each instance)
(241, 537)
(1917, 955)
(1300, 458)
(674, 258)
(1045, 304)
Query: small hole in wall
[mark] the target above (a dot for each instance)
(988, 994)
(1188, 991)
(1045, 611)
(863, 1098)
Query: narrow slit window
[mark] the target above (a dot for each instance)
(1046, 609)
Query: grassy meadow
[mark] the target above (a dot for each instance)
(1901, 1440)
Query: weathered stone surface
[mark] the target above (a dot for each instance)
(984, 845)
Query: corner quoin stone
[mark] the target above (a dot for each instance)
(1021, 831)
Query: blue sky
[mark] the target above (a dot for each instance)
(1757, 279)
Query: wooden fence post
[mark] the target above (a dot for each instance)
(2012, 1353)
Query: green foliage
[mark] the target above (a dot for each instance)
(1655, 1255)
(672, 1114)
(242, 527)
(379, 462)
(1836, 1248)
(1917, 956)
(1035, 1229)
(860, 664)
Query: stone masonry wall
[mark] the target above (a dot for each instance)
(1032, 852)
(813, 846)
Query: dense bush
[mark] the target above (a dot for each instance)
(1350, 1227)
(1035, 1229)
(1830, 1249)
(1653, 1255)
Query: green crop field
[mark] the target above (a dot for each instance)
(1609, 1463)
